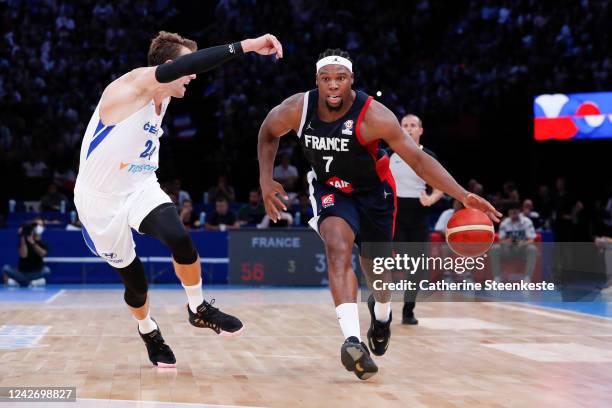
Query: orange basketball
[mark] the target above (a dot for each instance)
(469, 232)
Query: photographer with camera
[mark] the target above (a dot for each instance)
(31, 270)
(516, 237)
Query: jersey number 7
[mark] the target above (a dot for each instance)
(328, 159)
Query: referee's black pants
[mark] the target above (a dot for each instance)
(412, 229)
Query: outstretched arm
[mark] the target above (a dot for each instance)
(133, 90)
(209, 58)
(280, 121)
(381, 122)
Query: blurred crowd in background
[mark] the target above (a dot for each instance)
(469, 69)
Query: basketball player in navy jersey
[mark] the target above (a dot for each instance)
(351, 188)
(117, 189)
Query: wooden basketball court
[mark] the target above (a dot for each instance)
(460, 355)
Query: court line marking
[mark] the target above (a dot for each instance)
(142, 403)
(560, 314)
(528, 309)
(35, 338)
(576, 313)
(58, 294)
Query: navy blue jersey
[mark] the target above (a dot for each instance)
(337, 152)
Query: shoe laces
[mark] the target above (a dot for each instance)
(207, 313)
(208, 309)
(157, 340)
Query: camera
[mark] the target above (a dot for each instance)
(27, 229)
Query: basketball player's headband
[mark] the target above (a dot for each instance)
(334, 59)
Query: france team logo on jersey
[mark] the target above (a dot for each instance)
(573, 116)
(347, 127)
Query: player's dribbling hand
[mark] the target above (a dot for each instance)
(270, 191)
(475, 201)
(265, 45)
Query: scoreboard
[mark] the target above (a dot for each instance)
(291, 257)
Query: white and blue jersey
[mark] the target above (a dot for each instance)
(117, 159)
(116, 187)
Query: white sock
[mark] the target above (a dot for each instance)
(194, 295)
(382, 311)
(146, 325)
(348, 317)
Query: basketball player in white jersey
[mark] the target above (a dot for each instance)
(117, 189)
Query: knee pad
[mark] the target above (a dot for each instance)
(135, 298)
(164, 224)
(182, 248)
(135, 282)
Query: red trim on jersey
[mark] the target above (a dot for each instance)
(360, 119)
(391, 180)
(382, 165)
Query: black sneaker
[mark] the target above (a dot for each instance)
(379, 333)
(408, 314)
(355, 357)
(410, 319)
(212, 318)
(160, 353)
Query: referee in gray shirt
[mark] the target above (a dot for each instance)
(411, 224)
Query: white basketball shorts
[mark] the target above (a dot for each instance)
(107, 220)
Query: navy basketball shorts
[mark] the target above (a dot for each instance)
(370, 215)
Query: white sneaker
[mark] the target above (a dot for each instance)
(38, 282)
(11, 282)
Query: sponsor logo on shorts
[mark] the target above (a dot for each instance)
(328, 200)
(347, 127)
(137, 168)
(111, 257)
(340, 184)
